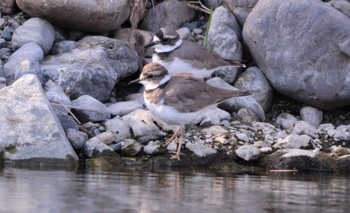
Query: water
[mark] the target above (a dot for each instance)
(24, 190)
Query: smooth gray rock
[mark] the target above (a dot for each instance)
(67, 121)
(285, 120)
(304, 128)
(226, 73)
(311, 115)
(215, 130)
(293, 141)
(63, 47)
(130, 147)
(93, 67)
(87, 15)
(234, 104)
(342, 5)
(240, 9)
(212, 4)
(88, 108)
(30, 133)
(26, 60)
(200, 150)
(95, 148)
(247, 116)
(58, 98)
(154, 148)
(254, 80)
(142, 126)
(212, 117)
(35, 30)
(76, 138)
(124, 107)
(7, 6)
(224, 34)
(6, 33)
(169, 13)
(301, 57)
(248, 152)
(118, 127)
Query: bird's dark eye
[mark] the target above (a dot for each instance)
(150, 76)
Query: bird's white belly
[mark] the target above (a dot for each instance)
(178, 66)
(172, 116)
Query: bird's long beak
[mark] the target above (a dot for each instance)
(134, 81)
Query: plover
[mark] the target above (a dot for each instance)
(179, 99)
(178, 55)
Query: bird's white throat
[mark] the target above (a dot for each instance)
(160, 48)
(150, 85)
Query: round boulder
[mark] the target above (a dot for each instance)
(87, 15)
(302, 48)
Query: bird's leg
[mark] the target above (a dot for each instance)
(173, 137)
(177, 155)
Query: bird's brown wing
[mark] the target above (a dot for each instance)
(188, 94)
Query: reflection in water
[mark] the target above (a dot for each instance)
(170, 191)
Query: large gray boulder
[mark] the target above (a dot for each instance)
(87, 15)
(224, 34)
(92, 67)
(35, 30)
(30, 133)
(303, 49)
(170, 13)
(26, 60)
(7, 6)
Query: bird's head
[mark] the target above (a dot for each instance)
(166, 40)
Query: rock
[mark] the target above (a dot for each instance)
(89, 15)
(25, 60)
(170, 13)
(224, 34)
(200, 150)
(130, 147)
(118, 127)
(234, 104)
(64, 46)
(226, 73)
(247, 116)
(311, 115)
(340, 151)
(30, 133)
(2, 81)
(183, 32)
(298, 159)
(213, 117)
(67, 121)
(124, 35)
(240, 9)
(154, 148)
(35, 30)
(342, 5)
(6, 34)
(7, 6)
(342, 132)
(95, 148)
(58, 98)
(297, 55)
(3, 43)
(293, 141)
(248, 152)
(212, 4)
(142, 126)
(254, 80)
(106, 138)
(124, 107)
(87, 108)
(93, 67)
(285, 120)
(242, 137)
(215, 130)
(5, 53)
(304, 128)
(77, 138)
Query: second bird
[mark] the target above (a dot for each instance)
(178, 55)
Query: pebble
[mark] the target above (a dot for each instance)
(248, 152)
